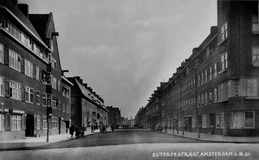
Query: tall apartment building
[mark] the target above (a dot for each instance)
(30, 74)
(87, 107)
(114, 116)
(216, 90)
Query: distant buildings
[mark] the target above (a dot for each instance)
(30, 74)
(87, 107)
(215, 90)
(114, 115)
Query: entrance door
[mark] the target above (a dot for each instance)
(59, 125)
(29, 132)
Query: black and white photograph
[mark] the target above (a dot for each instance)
(129, 79)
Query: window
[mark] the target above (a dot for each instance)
(28, 68)
(199, 80)
(223, 91)
(24, 39)
(242, 119)
(59, 85)
(54, 102)
(224, 61)
(63, 107)
(73, 100)
(37, 99)
(14, 60)
(14, 31)
(249, 119)
(202, 78)
(198, 101)
(68, 109)
(63, 92)
(202, 99)
(44, 99)
(29, 94)
(54, 82)
(210, 97)
(215, 71)
(2, 89)
(206, 76)
(44, 122)
(206, 98)
(38, 122)
(49, 100)
(224, 32)
(54, 63)
(217, 120)
(1, 122)
(15, 90)
(255, 56)
(255, 24)
(222, 120)
(210, 73)
(1, 53)
(37, 73)
(252, 87)
(16, 122)
(215, 95)
(204, 121)
(54, 122)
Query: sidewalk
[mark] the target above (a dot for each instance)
(39, 141)
(215, 138)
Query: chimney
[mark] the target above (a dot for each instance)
(24, 8)
(213, 29)
(77, 78)
(15, 2)
(85, 84)
(81, 81)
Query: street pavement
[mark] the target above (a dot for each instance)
(154, 151)
(30, 142)
(215, 138)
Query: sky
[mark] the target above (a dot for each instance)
(123, 49)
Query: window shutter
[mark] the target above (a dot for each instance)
(40, 74)
(6, 55)
(23, 122)
(23, 93)
(34, 71)
(7, 89)
(22, 65)
(35, 122)
(7, 122)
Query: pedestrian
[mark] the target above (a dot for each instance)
(72, 130)
(77, 131)
(112, 127)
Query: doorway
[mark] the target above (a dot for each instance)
(29, 132)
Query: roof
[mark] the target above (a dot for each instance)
(40, 22)
(67, 81)
(21, 18)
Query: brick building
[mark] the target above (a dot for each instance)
(30, 74)
(216, 89)
(87, 107)
(114, 116)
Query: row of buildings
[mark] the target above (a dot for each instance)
(216, 89)
(36, 98)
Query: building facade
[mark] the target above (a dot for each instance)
(216, 89)
(87, 107)
(114, 116)
(30, 74)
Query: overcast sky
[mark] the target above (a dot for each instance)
(123, 49)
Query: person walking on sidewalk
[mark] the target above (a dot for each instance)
(72, 130)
